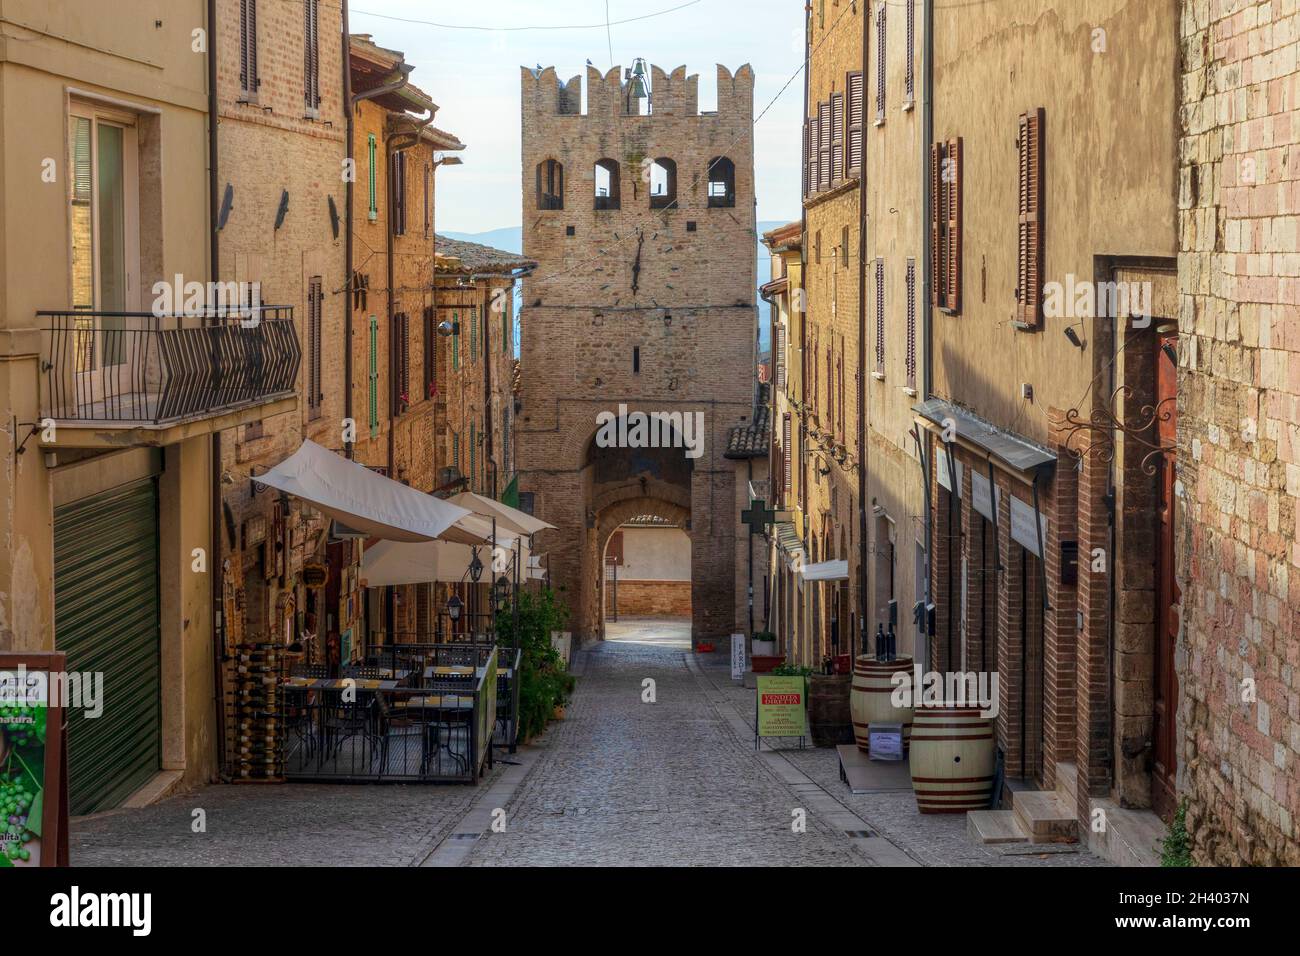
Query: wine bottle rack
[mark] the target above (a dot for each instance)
(255, 713)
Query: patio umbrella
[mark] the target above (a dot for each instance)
(366, 501)
(510, 519)
(395, 562)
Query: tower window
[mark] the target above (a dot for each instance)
(636, 360)
(663, 184)
(606, 184)
(550, 184)
(722, 182)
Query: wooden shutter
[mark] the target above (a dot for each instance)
(311, 53)
(909, 75)
(952, 210)
(1029, 268)
(248, 78)
(837, 137)
(315, 298)
(839, 372)
(824, 142)
(430, 352)
(814, 152)
(400, 349)
(428, 200)
(853, 156)
(397, 175)
(785, 452)
(880, 316)
(880, 64)
(936, 225)
(911, 324)
(780, 358)
(374, 376)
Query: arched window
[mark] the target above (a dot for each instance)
(663, 184)
(606, 186)
(550, 184)
(722, 182)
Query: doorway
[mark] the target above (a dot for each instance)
(1165, 702)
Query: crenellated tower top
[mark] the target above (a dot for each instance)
(610, 94)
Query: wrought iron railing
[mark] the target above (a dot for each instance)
(137, 367)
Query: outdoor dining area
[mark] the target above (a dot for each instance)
(416, 707)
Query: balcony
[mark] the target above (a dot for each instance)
(165, 377)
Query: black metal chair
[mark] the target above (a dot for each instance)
(403, 723)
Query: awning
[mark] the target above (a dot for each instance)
(390, 563)
(361, 499)
(1012, 451)
(787, 539)
(826, 571)
(510, 519)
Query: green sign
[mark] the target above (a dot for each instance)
(781, 706)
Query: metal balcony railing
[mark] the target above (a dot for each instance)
(141, 368)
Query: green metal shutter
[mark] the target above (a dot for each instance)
(455, 341)
(373, 212)
(106, 620)
(374, 376)
(473, 457)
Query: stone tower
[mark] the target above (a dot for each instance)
(640, 214)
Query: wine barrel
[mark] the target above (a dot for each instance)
(829, 720)
(952, 759)
(869, 699)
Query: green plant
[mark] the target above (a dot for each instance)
(544, 683)
(764, 636)
(1177, 848)
(792, 670)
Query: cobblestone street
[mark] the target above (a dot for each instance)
(621, 781)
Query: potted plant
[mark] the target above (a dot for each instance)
(764, 644)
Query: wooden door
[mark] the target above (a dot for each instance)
(1165, 708)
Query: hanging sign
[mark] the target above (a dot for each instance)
(33, 764)
(781, 706)
(1023, 530)
(941, 469)
(980, 495)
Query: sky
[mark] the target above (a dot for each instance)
(473, 76)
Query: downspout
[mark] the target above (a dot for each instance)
(217, 578)
(927, 267)
(864, 450)
(349, 108)
(796, 618)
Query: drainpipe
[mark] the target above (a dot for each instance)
(217, 578)
(864, 449)
(349, 187)
(927, 267)
(797, 619)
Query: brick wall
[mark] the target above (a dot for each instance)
(1238, 444)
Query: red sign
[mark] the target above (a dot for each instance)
(780, 699)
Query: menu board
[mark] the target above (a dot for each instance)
(33, 777)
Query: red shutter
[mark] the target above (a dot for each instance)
(1029, 269)
(937, 219)
(837, 137)
(854, 152)
(880, 64)
(952, 209)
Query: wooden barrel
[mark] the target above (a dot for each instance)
(869, 700)
(952, 759)
(829, 720)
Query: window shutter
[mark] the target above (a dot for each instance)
(254, 81)
(397, 176)
(837, 137)
(909, 76)
(780, 358)
(785, 456)
(370, 159)
(839, 374)
(880, 64)
(374, 376)
(911, 324)
(428, 199)
(936, 225)
(473, 455)
(472, 358)
(814, 152)
(406, 360)
(311, 51)
(854, 156)
(880, 316)
(455, 342)
(804, 171)
(430, 352)
(1029, 270)
(952, 267)
(824, 141)
(314, 300)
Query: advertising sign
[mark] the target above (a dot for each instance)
(33, 787)
(781, 706)
(737, 656)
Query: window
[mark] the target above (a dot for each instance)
(1029, 254)
(371, 145)
(550, 184)
(472, 357)
(455, 452)
(817, 247)
(812, 152)
(844, 246)
(606, 184)
(837, 138)
(663, 184)
(780, 357)
(911, 324)
(105, 235)
(374, 376)
(315, 300)
(473, 456)
(430, 352)
(428, 200)
(400, 370)
(945, 224)
(722, 183)
(853, 157)
(880, 65)
(636, 360)
(311, 56)
(248, 78)
(909, 74)
(397, 175)
(455, 341)
(785, 452)
(880, 318)
(824, 145)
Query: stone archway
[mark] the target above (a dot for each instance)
(610, 519)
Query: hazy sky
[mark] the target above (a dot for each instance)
(473, 76)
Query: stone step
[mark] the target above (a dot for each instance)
(1067, 779)
(994, 826)
(1129, 838)
(1041, 816)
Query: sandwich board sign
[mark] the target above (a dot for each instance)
(33, 760)
(781, 704)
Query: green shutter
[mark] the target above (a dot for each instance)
(374, 207)
(473, 337)
(473, 456)
(374, 376)
(455, 451)
(106, 618)
(505, 327)
(455, 341)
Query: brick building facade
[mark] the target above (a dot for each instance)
(642, 221)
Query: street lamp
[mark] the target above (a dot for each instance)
(454, 607)
(475, 567)
(501, 592)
